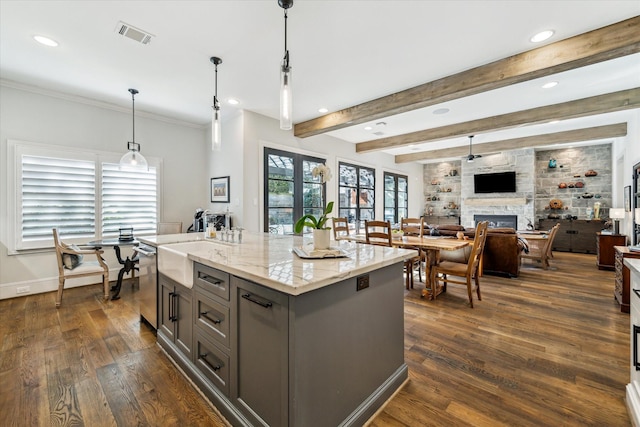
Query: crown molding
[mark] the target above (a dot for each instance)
(95, 103)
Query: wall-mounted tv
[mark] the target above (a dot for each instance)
(499, 182)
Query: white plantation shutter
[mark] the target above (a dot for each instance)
(57, 193)
(78, 192)
(129, 199)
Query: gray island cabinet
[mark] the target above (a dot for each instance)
(292, 342)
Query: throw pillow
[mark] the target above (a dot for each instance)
(71, 261)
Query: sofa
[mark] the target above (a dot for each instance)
(501, 251)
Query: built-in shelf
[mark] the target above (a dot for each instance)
(496, 201)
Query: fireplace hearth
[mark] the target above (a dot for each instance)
(498, 221)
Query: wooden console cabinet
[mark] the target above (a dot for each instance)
(621, 290)
(606, 259)
(574, 235)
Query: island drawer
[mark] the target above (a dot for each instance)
(211, 280)
(213, 363)
(212, 318)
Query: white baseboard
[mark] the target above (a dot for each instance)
(50, 284)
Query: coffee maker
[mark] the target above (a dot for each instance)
(199, 221)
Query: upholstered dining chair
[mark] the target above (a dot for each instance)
(71, 265)
(465, 273)
(541, 249)
(340, 228)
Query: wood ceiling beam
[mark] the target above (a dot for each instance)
(600, 104)
(565, 137)
(613, 41)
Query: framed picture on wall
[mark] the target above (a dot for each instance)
(627, 198)
(220, 189)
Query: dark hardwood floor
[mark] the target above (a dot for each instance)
(550, 348)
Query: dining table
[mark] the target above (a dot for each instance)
(128, 264)
(431, 245)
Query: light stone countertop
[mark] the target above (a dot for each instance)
(633, 264)
(267, 259)
(164, 239)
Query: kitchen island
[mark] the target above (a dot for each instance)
(274, 339)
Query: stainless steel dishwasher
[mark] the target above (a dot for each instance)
(147, 280)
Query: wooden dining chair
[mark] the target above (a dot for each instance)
(378, 232)
(468, 272)
(413, 227)
(71, 264)
(540, 250)
(340, 228)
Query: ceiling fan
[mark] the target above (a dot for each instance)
(471, 157)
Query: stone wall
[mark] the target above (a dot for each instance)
(536, 184)
(571, 165)
(519, 203)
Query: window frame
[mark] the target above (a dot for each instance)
(358, 187)
(397, 215)
(17, 148)
(298, 182)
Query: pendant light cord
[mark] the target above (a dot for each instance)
(133, 103)
(286, 51)
(215, 96)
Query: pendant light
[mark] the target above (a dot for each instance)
(132, 159)
(216, 138)
(286, 97)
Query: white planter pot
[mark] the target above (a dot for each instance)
(321, 239)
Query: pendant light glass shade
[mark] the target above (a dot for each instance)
(216, 139)
(216, 136)
(133, 159)
(286, 96)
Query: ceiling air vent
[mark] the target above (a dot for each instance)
(133, 33)
(378, 133)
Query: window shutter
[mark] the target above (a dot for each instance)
(57, 193)
(129, 199)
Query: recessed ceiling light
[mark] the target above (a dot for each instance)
(542, 36)
(45, 41)
(549, 85)
(441, 111)
(233, 101)
(368, 128)
(323, 110)
(554, 121)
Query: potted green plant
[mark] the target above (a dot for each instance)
(321, 234)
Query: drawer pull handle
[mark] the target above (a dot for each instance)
(203, 357)
(210, 319)
(263, 304)
(210, 279)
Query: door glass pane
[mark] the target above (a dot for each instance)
(366, 214)
(280, 220)
(307, 168)
(312, 196)
(280, 167)
(367, 178)
(348, 176)
(348, 197)
(389, 182)
(280, 193)
(366, 198)
(389, 199)
(402, 185)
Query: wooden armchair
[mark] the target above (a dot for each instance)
(71, 265)
(541, 249)
(468, 271)
(340, 228)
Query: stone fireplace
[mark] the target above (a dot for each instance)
(498, 221)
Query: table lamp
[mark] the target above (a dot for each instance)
(616, 214)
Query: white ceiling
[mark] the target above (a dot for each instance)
(342, 52)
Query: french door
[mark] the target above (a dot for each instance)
(290, 190)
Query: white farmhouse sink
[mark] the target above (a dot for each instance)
(174, 262)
